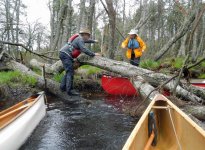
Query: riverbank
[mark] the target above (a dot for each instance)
(15, 87)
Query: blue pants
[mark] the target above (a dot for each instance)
(135, 61)
(67, 81)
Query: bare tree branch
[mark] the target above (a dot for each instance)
(197, 63)
(27, 49)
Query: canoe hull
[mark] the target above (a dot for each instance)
(16, 133)
(202, 85)
(118, 86)
(190, 135)
(123, 86)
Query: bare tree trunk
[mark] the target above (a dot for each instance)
(90, 17)
(123, 17)
(105, 41)
(182, 31)
(144, 13)
(194, 48)
(18, 4)
(202, 40)
(7, 28)
(182, 49)
(62, 16)
(52, 22)
(81, 20)
(112, 24)
(68, 23)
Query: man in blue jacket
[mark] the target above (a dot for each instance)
(68, 52)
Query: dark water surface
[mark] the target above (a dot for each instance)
(82, 126)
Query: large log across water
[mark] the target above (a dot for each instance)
(195, 94)
(151, 77)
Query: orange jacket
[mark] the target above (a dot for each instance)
(137, 51)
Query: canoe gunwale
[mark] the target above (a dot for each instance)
(129, 143)
(24, 110)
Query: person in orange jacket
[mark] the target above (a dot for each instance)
(135, 47)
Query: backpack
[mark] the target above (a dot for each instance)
(75, 52)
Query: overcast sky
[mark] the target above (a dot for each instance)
(37, 9)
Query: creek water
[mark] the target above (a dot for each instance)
(99, 124)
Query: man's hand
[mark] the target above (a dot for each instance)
(97, 54)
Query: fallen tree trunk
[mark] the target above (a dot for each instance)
(144, 88)
(52, 86)
(196, 111)
(153, 78)
(128, 70)
(49, 68)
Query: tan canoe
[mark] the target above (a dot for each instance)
(163, 126)
(18, 121)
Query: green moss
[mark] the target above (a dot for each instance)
(13, 77)
(149, 64)
(36, 70)
(58, 77)
(90, 69)
(202, 76)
